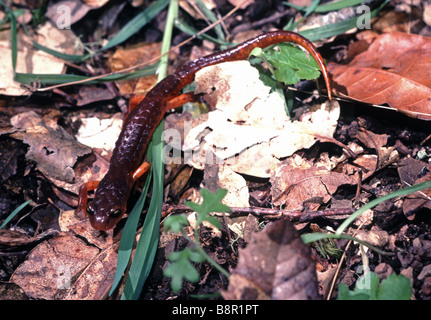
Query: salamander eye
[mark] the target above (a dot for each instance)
(90, 209)
(115, 213)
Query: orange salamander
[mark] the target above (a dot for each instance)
(112, 192)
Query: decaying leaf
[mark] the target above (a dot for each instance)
(76, 10)
(11, 291)
(275, 265)
(66, 267)
(411, 172)
(394, 70)
(54, 150)
(250, 130)
(298, 181)
(14, 240)
(132, 56)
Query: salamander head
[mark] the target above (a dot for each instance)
(108, 206)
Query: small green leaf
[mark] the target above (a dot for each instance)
(345, 294)
(395, 287)
(368, 284)
(367, 287)
(211, 203)
(181, 267)
(176, 223)
(292, 64)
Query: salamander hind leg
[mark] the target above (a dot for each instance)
(142, 169)
(182, 99)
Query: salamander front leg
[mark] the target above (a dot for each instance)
(83, 196)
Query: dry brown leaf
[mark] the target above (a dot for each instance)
(129, 57)
(11, 291)
(90, 94)
(411, 172)
(67, 267)
(50, 266)
(276, 265)
(394, 70)
(100, 133)
(13, 239)
(222, 176)
(54, 150)
(297, 182)
(242, 3)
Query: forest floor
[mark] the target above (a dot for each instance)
(392, 151)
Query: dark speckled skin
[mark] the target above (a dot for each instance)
(113, 191)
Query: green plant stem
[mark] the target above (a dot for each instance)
(215, 264)
(202, 252)
(148, 242)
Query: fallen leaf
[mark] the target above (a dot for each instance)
(96, 281)
(100, 133)
(411, 172)
(31, 60)
(67, 267)
(11, 291)
(275, 265)
(14, 240)
(64, 13)
(54, 150)
(51, 266)
(394, 70)
(222, 176)
(249, 130)
(297, 182)
(90, 94)
(129, 57)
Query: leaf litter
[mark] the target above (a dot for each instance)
(377, 155)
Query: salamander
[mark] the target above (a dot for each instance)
(125, 167)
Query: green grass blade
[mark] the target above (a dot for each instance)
(65, 56)
(375, 202)
(327, 7)
(308, 10)
(46, 79)
(14, 213)
(128, 236)
(134, 25)
(148, 242)
(212, 18)
(184, 27)
(336, 28)
(316, 236)
(125, 33)
(13, 41)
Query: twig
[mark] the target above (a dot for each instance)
(299, 215)
(338, 143)
(334, 279)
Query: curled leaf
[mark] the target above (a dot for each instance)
(275, 265)
(394, 70)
